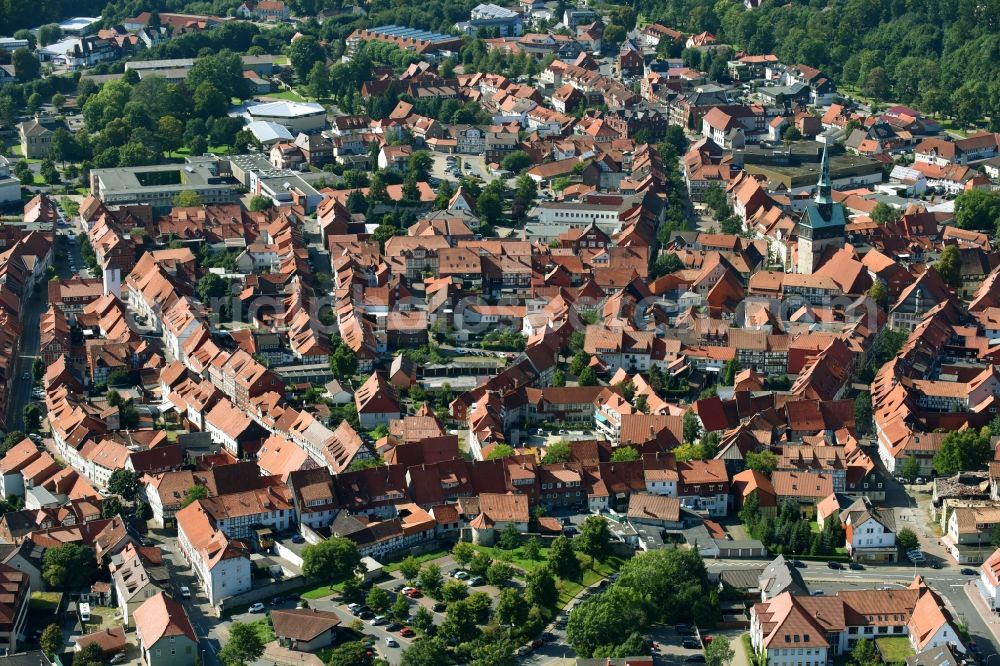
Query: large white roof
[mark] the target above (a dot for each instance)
(285, 109)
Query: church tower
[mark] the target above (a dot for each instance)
(822, 223)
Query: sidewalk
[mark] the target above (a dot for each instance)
(990, 618)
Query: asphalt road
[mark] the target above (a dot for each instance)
(20, 393)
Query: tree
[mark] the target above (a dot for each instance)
(558, 378)
(410, 568)
(865, 654)
(878, 293)
(209, 101)
(961, 451)
(170, 132)
(499, 574)
(624, 454)
(422, 620)
(378, 599)
(13, 438)
(69, 567)
(463, 552)
(978, 209)
(459, 624)
(563, 560)
(400, 610)
(532, 549)
(587, 377)
(719, 652)
(426, 652)
(319, 79)
(304, 52)
(260, 203)
(350, 654)
(334, 559)
(883, 213)
(691, 427)
(729, 371)
(510, 537)
(560, 451)
(516, 162)
(911, 468)
(454, 590)
(595, 537)
(674, 584)
(498, 651)
(764, 462)
(187, 199)
(791, 134)
(420, 164)
(541, 587)
(431, 580)
(38, 369)
(243, 647)
(195, 492)
(51, 641)
(863, 412)
(512, 609)
(604, 621)
(906, 540)
(123, 482)
(90, 655)
(949, 265)
(500, 451)
(26, 65)
(111, 507)
(31, 415)
(490, 207)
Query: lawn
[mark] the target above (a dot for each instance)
(263, 630)
(101, 617)
(181, 153)
(426, 557)
(568, 589)
(894, 649)
(515, 557)
(289, 95)
(323, 591)
(44, 602)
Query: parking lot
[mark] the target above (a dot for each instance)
(471, 165)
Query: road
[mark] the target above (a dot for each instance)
(20, 392)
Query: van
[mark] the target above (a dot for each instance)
(84, 612)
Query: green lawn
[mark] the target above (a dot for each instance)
(323, 591)
(515, 557)
(894, 649)
(44, 601)
(289, 95)
(569, 589)
(426, 557)
(263, 630)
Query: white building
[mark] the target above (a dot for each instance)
(296, 116)
(223, 568)
(870, 532)
(989, 580)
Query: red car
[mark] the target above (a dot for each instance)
(406, 632)
(414, 594)
(707, 640)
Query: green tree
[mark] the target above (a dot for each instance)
(343, 360)
(454, 590)
(906, 540)
(194, 493)
(31, 415)
(879, 294)
(883, 213)
(510, 537)
(729, 371)
(791, 134)
(624, 454)
(512, 609)
(949, 265)
(209, 101)
(602, 622)
(911, 468)
(499, 574)
(501, 451)
(563, 560)
(304, 52)
(578, 363)
(463, 552)
(691, 427)
(673, 583)
(410, 568)
(978, 209)
(334, 559)
(764, 462)
(422, 620)
(595, 537)
(187, 199)
(260, 203)
(490, 208)
(378, 599)
(587, 377)
(38, 369)
(516, 162)
(427, 652)
(124, 483)
(419, 164)
(541, 587)
(170, 133)
(243, 647)
(400, 610)
(51, 641)
(26, 65)
(353, 653)
(431, 580)
(558, 378)
(719, 652)
(319, 80)
(532, 549)
(560, 451)
(964, 450)
(865, 654)
(69, 567)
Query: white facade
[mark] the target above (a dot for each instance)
(225, 578)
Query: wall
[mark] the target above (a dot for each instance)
(260, 593)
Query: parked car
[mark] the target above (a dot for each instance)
(354, 608)
(475, 581)
(414, 594)
(366, 615)
(968, 572)
(439, 607)
(391, 642)
(459, 574)
(406, 632)
(393, 626)
(119, 658)
(298, 538)
(256, 608)
(377, 620)
(817, 593)
(185, 592)
(535, 644)
(835, 565)
(696, 659)
(690, 644)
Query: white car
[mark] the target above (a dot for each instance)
(256, 608)
(391, 642)
(119, 658)
(185, 592)
(460, 575)
(377, 620)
